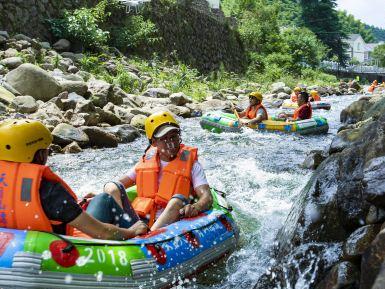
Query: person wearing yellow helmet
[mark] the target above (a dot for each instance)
(25, 180)
(294, 96)
(168, 176)
(314, 96)
(255, 112)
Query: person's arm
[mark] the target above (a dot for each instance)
(204, 203)
(96, 229)
(113, 190)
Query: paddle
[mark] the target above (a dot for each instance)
(236, 114)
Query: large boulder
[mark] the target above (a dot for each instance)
(138, 121)
(62, 45)
(108, 117)
(355, 111)
(30, 79)
(25, 104)
(359, 241)
(158, 92)
(372, 260)
(125, 132)
(6, 96)
(12, 62)
(278, 87)
(100, 91)
(64, 134)
(78, 87)
(343, 275)
(374, 181)
(179, 99)
(100, 138)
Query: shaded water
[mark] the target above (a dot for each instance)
(258, 170)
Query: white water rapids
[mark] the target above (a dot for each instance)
(259, 171)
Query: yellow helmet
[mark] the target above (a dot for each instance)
(20, 139)
(297, 89)
(156, 120)
(257, 95)
(313, 92)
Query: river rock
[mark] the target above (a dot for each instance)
(355, 85)
(375, 215)
(314, 159)
(125, 132)
(72, 148)
(10, 52)
(79, 87)
(85, 119)
(278, 87)
(283, 95)
(138, 121)
(100, 138)
(84, 106)
(108, 117)
(29, 79)
(213, 104)
(12, 62)
(62, 45)
(158, 92)
(178, 110)
(75, 97)
(372, 260)
(6, 96)
(359, 241)
(355, 111)
(374, 181)
(65, 134)
(24, 104)
(343, 275)
(152, 102)
(3, 70)
(179, 99)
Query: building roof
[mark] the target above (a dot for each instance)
(370, 46)
(353, 37)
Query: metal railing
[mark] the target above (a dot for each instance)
(360, 68)
(133, 5)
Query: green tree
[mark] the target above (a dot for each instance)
(351, 25)
(321, 17)
(379, 54)
(304, 47)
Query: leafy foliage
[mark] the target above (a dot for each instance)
(83, 25)
(379, 54)
(351, 25)
(137, 34)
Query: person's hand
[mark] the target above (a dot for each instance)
(139, 228)
(189, 211)
(89, 196)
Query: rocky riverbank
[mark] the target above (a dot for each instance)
(334, 236)
(45, 82)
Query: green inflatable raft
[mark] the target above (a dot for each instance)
(218, 122)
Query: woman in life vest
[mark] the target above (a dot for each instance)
(255, 112)
(295, 93)
(314, 96)
(304, 110)
(25, 181)
(168, 176)
(373, 86)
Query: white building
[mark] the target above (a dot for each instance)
(214, 4)
(359, 49)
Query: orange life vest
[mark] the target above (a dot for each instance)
(298, 110)
(316, 97)
(252, 113)
(176, 179)
(20, 206)
(371, 88)
(293, 97)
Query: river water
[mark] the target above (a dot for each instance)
(259, 171)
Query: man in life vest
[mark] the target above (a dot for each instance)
(32, 197)
(314, 96)
(373, 86)
(168, 176)
(255, 112)
(295, 93)
(304, 110)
